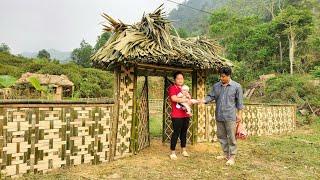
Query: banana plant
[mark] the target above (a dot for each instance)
(35, 82)
(7, 81)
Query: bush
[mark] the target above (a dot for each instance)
(316, 72)
(292, 89)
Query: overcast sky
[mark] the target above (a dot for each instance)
(31, 25)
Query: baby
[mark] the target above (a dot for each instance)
(185, 94)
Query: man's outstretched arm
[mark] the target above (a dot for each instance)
(210, 97)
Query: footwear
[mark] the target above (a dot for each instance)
(230, 161)
(173, 156)
(222, 157)
(185, 154)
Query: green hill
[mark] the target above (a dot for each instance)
(89, 82)
(193, 21)
(62, 56)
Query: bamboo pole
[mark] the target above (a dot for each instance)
(164, 112)
(148, 117)
(134, 133)
(115, 117)
(195, 108)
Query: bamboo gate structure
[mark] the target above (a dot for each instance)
(148, 48)
(38, 136)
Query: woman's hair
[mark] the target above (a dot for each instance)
(176, 74)
(225, 70)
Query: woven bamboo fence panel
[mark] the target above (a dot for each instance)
(143, 118)
(258, 119)
(42, 137)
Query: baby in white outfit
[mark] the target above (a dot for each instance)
(185, 94)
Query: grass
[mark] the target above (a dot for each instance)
(291, 156)
(156, 125)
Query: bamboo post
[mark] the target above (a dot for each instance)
(134, 133)
(195, 108)
(115, 117)
(148, 117)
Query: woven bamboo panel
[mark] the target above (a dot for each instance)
(143, 118)
(125, 111)
(39, 139)
(211, 128)
(259, 119)
(168, 129)
(202, 123)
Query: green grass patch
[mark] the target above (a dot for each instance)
(156, 125)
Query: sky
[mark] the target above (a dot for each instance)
(32, 25)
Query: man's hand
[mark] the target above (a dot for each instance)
(239, 119)
(239, 116)
(201, 101)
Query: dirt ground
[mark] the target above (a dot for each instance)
(293, 156)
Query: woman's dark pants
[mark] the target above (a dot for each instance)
(180, 130)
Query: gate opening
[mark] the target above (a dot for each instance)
(153, 110)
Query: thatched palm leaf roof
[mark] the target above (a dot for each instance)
(150, 42)
(46, 79)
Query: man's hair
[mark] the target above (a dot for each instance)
(225, 70)
(176, 74)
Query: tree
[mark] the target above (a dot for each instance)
(296, 25)
(232, 31)
(4, 48)
(43, 54)
(102, 40)
(81, 56)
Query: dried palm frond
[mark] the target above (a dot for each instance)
(150, 41)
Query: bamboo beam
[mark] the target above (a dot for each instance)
(165, 68)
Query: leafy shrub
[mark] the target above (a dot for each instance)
(292, 89)
(316, 72)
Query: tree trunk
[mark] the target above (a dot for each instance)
(281, 52)
(292, 47)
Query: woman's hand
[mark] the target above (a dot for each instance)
(190, 102)
(188, 95)
(194, 101)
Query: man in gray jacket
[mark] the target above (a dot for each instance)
(228, 96)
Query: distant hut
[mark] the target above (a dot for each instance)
(60, 85)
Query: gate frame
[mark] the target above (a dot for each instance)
(126, 91)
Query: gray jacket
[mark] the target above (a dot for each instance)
(228, 100)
